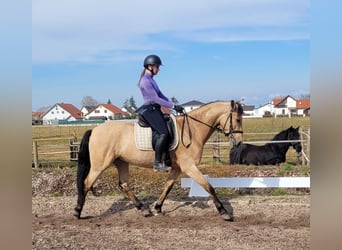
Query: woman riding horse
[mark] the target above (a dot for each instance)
(153, 100)
(113, 142)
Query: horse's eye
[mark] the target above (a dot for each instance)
(238, 120)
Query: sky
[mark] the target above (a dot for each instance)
(211, 50)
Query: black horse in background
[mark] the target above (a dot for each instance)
(269, 154)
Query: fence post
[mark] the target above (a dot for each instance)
(308, 144)
(73, 149)
(35, 153)
(216, 147)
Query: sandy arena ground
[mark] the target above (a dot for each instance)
(261, 222)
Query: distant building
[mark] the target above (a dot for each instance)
(86, 109)
(265, 110)
(37, 118)
(248, 110)
(61, 112)
(189, 106)
(284, 106)
(106, 112)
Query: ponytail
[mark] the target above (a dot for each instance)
(141, 75)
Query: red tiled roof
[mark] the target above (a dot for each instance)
(38, 114)
(74, 112)
(114, 109)
(303, 104)
(276, 101)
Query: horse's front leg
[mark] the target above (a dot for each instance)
(197, 176)
(123, 173)
(173, 175)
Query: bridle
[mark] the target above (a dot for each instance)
(230, 134)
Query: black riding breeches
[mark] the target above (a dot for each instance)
(155, 118)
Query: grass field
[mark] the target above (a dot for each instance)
(54, 140)
(250, 125)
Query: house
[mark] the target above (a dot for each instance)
(86, 109)
(303, 107)
(248, 110)
(284, 106)
(37, 118)
(189, 106)
(289, 106)
(265, 110)
(131, 111)
(61, 112)
(106, 112)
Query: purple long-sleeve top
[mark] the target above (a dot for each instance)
(151, 92)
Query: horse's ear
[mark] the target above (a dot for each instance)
(298, 128)
(232, 103)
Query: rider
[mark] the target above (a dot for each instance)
(151, 111)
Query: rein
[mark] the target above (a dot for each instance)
(220, 130)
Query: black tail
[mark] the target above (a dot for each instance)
(83, 163)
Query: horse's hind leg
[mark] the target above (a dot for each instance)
(197, 176)
(174, 173)
(123, 172)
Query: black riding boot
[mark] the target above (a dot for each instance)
(160, 146)
(167, 159)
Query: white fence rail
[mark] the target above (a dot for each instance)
(245, 182)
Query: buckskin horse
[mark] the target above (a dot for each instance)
(113, 143)
(271, 153)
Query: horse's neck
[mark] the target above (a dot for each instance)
(207, 114)
(204, 121)
(281, 147)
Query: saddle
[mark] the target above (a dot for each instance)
(143, 132)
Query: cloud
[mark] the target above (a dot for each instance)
(82, 30)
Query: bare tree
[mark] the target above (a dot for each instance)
(305, 96)
(88, 101)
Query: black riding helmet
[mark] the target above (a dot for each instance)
(152, 60)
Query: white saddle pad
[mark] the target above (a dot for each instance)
(143, 136)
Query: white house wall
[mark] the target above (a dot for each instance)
(55, 114)
(259, 112)
(102, 111)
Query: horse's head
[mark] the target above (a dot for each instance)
(231, 122)
(293, 134)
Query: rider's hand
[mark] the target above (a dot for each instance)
(179, 108)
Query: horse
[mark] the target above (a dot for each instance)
(272, 153)
(113, 143)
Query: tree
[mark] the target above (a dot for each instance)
(305, 96)
(88, 101)
(130, 104)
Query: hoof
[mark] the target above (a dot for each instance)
(77, 213)
(95, 191)
(227, 217)
(146, 212)
(159, 214)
